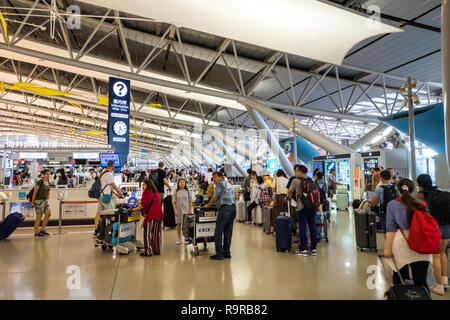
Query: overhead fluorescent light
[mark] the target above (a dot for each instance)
(322, 31)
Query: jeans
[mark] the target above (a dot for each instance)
(419, 272)
(307, 217)
(224, 227)
(252, 206)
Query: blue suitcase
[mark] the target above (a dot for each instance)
(321, 226)
(10, 224)
(283, 233)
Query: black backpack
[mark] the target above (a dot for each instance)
(389, 193)
(310, 196)
(30, 195)
(323, 196)
(438, 203)
(154, 176)
(96, 189)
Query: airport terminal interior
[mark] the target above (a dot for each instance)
(222, 150)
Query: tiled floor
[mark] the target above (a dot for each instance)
(37, 269)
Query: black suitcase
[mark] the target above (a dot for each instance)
(365, 230)
(404, 291)
(169, 213)
(266, 213)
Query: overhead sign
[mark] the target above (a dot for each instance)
(86, 155)
(119, 117)
(33, 155)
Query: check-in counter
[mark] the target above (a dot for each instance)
(76, 206)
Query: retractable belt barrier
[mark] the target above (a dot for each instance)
(61, 203)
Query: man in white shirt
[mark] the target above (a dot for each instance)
(209, 176)
(108, 187)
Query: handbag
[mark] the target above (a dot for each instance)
(141, 221)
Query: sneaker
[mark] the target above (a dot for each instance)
(227, 257)
(438, 289)
(216, 257)
(178, 242)
(314, 252)
(44, 233)
(38, 235)
(143, 254)
(303, 253)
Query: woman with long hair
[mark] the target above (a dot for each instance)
(399, 215)
(440, 263)
(279, 190)
(151, 210)
(182, 204)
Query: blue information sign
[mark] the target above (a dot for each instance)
(119, 117)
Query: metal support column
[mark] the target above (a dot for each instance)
(445, 45)
(273, 144)
(412, 135)
(294, 141)
(228, 153)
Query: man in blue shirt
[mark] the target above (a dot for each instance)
(226, 202)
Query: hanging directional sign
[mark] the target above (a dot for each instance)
(119, 117)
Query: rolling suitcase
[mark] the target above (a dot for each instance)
(365, 228)
(322, 226)
(266, 213)
(169, 213)
(10, 224)
(241, 211)
(404, 291)
(283, 233)
(342, 201)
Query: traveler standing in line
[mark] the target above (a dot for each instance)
(255, 196)
(430, 194)
(331, 185)
(246, 186)
(39, 202)
(226, 202)
(280, 203)
(182, 204)
(108, 187)
(306, 217)
(161, 181)
(268, 180)
(151, 210)
(209, 176)
(385, 193)
(325, 204)
(399, 217)
(90, 178)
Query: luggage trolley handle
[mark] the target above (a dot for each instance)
(382, 258)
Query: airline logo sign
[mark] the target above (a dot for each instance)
(205, 229)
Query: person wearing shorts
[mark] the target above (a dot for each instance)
(108, 187)
(40, 204)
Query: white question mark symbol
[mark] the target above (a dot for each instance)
(121, 86)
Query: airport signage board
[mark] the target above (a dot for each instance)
(119, 117)
(86, 155)
(33, 155)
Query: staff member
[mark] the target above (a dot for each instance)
(226, 202)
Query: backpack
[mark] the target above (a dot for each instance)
(438, 203)
(424, 235)
(389, 193)
(30, 195)
(311, 195)
(96, 188)
(264, 198)
(154, 176)
(323, 196)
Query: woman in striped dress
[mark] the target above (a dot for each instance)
(151, 210)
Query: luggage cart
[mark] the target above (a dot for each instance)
(119, 231)
(203, 226)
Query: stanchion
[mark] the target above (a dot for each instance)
(3, 210)
(60, 232)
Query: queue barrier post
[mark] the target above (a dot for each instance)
(3, 210)
(60, 232)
